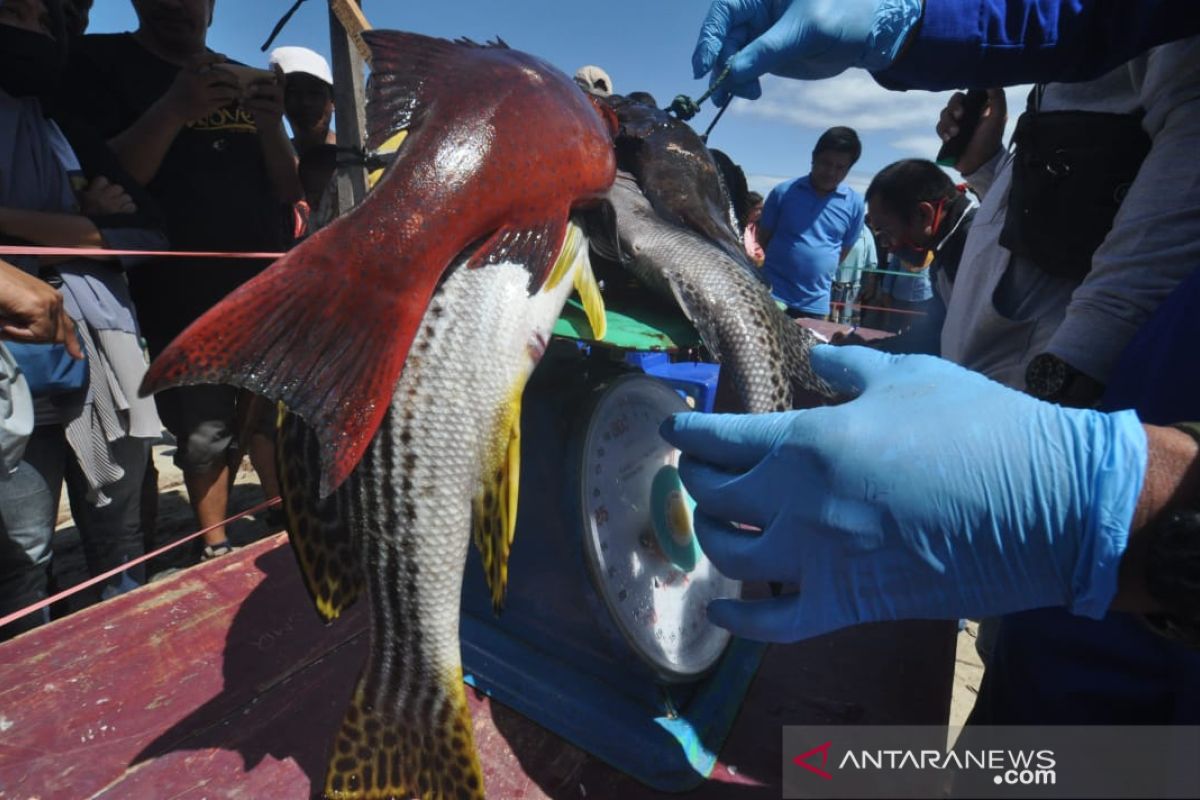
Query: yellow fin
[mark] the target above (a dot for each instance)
(316, 528)
(573, 242)
(390, 146)
(589, 295)
(494, 521)
(426, 751)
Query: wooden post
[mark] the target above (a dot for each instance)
(348, 98)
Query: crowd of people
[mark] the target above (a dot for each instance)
(144, 141)
(1044, 308)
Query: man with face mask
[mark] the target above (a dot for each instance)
(922, 219)
(64, 188)
(214, 153)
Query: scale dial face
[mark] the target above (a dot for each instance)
(644, 560)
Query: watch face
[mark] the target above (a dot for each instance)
(1047, 376)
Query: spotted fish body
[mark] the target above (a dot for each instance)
(397, 342)
(430, 471)
(763, 351)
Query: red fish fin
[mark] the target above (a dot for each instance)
(325, 330)
(406, 70)
(536, 246)
(607, 114)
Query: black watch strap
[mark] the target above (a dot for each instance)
(1173, 569)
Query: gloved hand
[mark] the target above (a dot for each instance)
(934, 494)
(806, 39)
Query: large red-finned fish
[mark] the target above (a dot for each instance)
(399, 340)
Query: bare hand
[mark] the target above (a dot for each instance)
(201, 88)
(264, 100)
(102, 198)
(31, 310)
(988, 135)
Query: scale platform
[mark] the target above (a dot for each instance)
(604, 638)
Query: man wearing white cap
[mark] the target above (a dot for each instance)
(595, 80)
(308, 104)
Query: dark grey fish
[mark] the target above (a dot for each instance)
(676, 172)
(764, 351)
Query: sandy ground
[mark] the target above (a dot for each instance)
(175, 520)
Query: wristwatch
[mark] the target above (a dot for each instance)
(1050, 378)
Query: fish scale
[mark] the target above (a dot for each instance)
(344, 332)
(410, 516)
(763, 351)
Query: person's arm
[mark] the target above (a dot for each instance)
(1172, 482)
(983, 502)
(100, 200)
(769, 218)
(1008, 42)
(854, 230)
(49, 229)
(1155, 240)
(31, 310)
(934, 44)
(198, 90)
(265, 103)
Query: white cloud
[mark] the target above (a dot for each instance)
(852, 98)
(763, 184)
(859, 181)
(917, 146)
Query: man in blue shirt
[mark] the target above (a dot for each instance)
(809, 225)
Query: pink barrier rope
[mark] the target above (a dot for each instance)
(880, 308)
(79, 587)
(83, 252)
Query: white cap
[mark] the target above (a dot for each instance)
(301, 59)
(595, 80)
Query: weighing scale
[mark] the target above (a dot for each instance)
(604, 638)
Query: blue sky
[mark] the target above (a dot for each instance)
(643, 44)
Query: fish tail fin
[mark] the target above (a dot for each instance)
(808, 388)
(424, 748)
(326, 330)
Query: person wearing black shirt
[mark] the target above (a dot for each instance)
(214, 154)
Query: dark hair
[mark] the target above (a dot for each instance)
(839, 140)
(754, 199)
(902, 186)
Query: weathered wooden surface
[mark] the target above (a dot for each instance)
(221, 683)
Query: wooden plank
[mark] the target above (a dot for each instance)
(349, 114)
(354, 22)
(221, 682)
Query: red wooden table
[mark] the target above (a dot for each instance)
(220, 683)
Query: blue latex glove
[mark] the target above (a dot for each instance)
(807, 39)
(934, 494)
